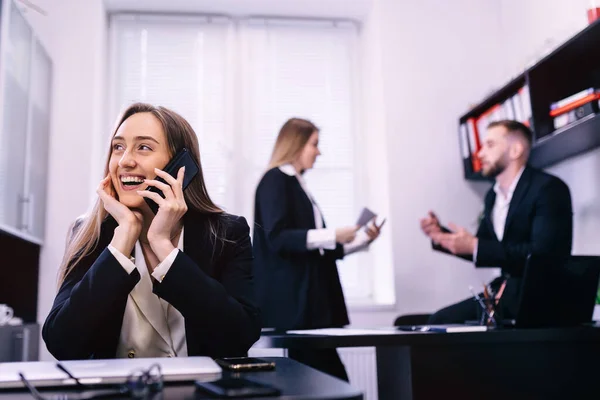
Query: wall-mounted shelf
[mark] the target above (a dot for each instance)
(564, 143)
(571, 68)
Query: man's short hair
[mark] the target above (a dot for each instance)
(515, 127)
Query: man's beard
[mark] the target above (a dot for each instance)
(495, 169)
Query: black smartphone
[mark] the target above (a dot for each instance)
(245, 364)
(237, 387)
(183, 158)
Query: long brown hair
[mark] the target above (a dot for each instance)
(83, 239)
(292, 138)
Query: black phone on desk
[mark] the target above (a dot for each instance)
(237, 387)
(240, 364)
(183, 158)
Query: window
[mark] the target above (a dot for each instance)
(180, 63)
(237, 83)
(305, 69)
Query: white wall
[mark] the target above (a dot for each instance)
(73, 33)
(373, 143)
(531, 29)
(438, 57)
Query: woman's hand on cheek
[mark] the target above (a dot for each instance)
(120, 212)
(171, 209)
(130, 222)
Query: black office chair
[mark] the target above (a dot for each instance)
(582, 274)
(412, 319)
(558, 292)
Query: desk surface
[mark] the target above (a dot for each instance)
(583, 334)
(296, 381)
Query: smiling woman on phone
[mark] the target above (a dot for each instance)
(138, 284)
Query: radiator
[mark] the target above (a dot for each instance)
(361, 366)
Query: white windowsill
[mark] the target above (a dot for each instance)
(371, 307)
(22, 235)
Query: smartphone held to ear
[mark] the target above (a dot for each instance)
(183, 158)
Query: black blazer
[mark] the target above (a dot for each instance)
(297, 288)
(539, 222)
(209, 283)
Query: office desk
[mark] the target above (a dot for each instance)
(532, 363)
(296, 381)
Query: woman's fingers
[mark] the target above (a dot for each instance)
(176, 184)
(152, 196)
(167, 177)
(163, 187)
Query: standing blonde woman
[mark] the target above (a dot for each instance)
(136, 284)
(298, 286)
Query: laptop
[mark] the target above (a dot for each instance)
(101, 372)
(555, 293)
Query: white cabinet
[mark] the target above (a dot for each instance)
(25, 85)
(38, 135)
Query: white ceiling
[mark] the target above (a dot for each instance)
(351, 9)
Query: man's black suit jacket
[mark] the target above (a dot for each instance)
(539, 222)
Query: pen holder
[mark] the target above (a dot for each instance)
(492, 314)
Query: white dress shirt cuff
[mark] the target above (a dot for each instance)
(360, 243)
(320, 239)
(475, 252)
(125, 261)
(161, 269)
